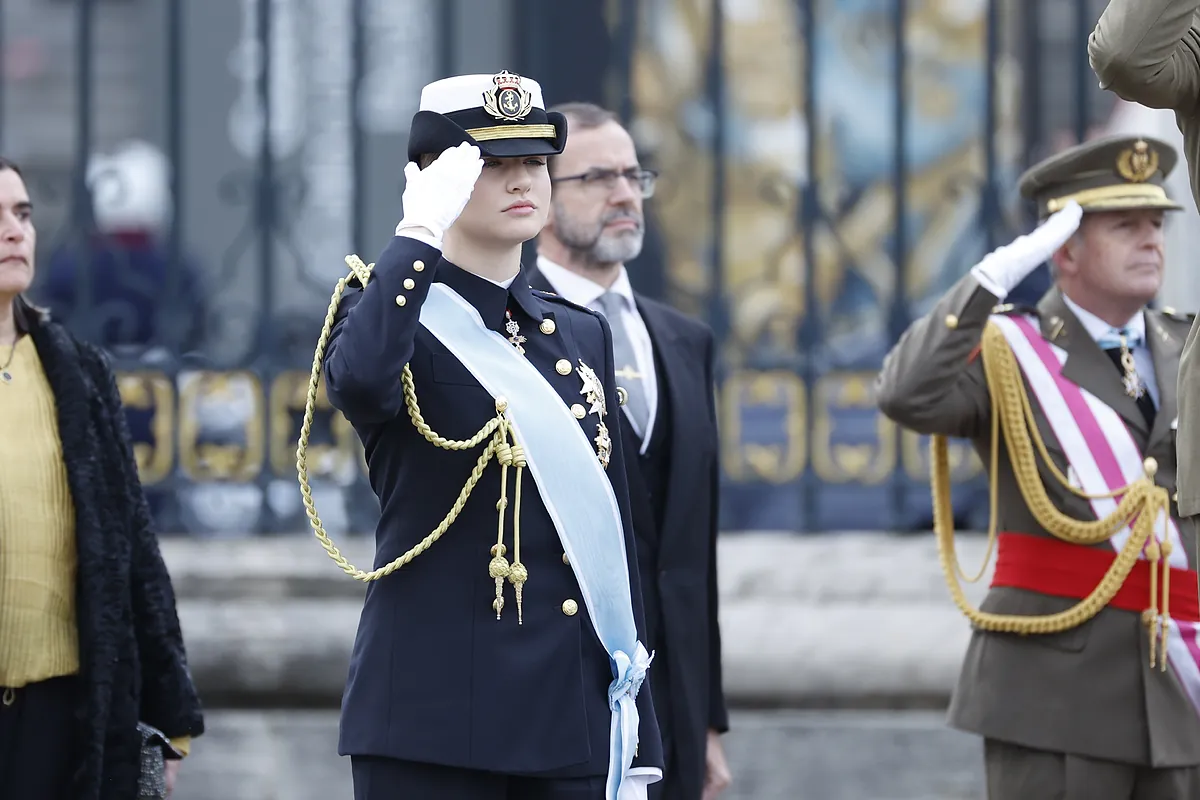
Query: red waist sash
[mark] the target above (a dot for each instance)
(1057, 568)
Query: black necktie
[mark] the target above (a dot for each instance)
(1145, 403)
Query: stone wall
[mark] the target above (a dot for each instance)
(840, 620)
(829, 622)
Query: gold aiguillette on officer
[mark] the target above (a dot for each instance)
(498, 567)
(498, 432)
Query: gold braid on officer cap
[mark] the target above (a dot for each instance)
(1138, 508)
(501, 445)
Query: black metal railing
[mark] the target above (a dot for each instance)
(844, 261)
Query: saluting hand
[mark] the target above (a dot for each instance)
(1008, 265)
(435, 196)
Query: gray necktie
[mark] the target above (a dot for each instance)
(625, 358)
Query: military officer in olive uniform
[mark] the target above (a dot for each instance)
(503, 656)
(1078, 679)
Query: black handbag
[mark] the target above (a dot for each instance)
(156, 749)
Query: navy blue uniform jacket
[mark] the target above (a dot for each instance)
(434, 677)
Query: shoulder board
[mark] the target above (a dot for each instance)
(1178, 316)
(559, 299)
(1015, 308)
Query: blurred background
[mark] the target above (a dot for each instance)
(828, 168)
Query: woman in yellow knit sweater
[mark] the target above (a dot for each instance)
(90, 645)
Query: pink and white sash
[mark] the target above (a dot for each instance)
(1103, 457)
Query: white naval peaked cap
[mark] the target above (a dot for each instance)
(462, 92)
(504, 115)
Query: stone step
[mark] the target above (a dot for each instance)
(292, 755)
(854, 619)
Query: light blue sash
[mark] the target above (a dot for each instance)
(575, 490)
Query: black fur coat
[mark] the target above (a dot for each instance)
(131, 649)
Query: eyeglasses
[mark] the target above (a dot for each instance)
(643, 179)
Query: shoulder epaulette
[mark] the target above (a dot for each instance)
(1178, 316)
(557, 298)
(1015, 308)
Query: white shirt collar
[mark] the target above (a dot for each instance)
(1098, 328)
(583, 291)
(504, 284)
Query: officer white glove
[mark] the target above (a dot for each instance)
(1002, 269)
(435, 196)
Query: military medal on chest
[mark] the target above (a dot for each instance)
(593, 390)
(514, 332)
(1131, 380)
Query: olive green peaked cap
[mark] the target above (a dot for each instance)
(1112, 173)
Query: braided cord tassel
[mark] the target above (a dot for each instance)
(362, 272)
(1012, 413)
(518, 574)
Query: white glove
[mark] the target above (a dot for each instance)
(1002, 269)
(435, 196)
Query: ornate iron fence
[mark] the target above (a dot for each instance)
(795, 138)
(792, 135)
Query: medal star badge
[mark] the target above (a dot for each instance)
(603, 445)
(593, 390)
(1132, 381)
(514, 333)
(508, 101)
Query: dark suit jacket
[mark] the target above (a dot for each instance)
(434, 676)
(678, 561)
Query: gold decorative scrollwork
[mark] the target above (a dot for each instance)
(868, 463)
(221, 426)
(286, 410)
(782, 457)
(153, 392)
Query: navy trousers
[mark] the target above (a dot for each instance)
(392, 779)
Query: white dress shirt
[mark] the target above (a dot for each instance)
(1143, 362)
(584, 292)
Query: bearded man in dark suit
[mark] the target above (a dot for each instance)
(664, 362)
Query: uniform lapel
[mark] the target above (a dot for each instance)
(1165, 350)
(1087, 366)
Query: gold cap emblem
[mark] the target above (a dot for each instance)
(508, 101)
(1138, 163)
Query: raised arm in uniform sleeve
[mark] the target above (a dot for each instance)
(1148, 52)
(372, 336)
(373, 332)
(930, 381)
